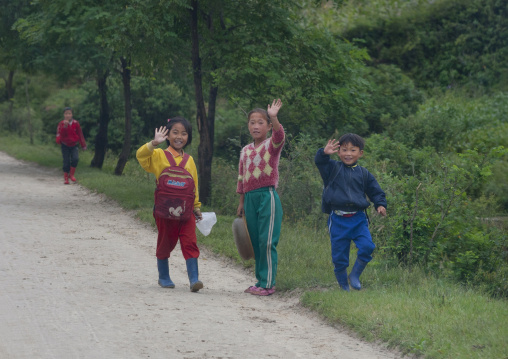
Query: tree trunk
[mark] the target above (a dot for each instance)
(8, 85)
(30, 127)
(205, 123)
(101, 139)
(126, 148)
(10, 94)
(206, 146)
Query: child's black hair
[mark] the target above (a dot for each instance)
(353, 139)
(185, 123)
(261, 111)
(67, 109)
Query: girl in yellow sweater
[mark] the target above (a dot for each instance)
(177, 133)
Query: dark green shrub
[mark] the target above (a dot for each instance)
(392, 96)
(224, 199)
(300, 184)
(454, 124)
(445, 43)
(433, 221)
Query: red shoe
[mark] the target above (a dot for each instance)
(66, 178)
(71, 174)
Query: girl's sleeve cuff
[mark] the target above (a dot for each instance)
(150, 146)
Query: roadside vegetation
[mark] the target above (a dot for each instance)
(425, 82)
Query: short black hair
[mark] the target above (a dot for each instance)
(261, 111)
(67, 109)
(188, 127)
(353, 139)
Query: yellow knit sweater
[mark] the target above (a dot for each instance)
(153, 160)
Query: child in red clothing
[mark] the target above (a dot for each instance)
(69, 135)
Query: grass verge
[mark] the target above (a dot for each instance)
(408, 310)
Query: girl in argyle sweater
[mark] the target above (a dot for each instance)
(259, 202)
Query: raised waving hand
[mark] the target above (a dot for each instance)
(161, 134)
(273, 110)
(332, 147)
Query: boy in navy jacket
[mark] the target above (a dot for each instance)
(346, 185)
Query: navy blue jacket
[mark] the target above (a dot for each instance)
(347, 190)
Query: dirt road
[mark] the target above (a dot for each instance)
(78, 279)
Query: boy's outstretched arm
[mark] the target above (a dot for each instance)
(273, 110)
(324, 164)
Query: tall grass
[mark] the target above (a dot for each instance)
(408, 310)
(419, 315)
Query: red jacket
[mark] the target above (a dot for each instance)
(70, 134)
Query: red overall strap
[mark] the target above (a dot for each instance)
(172, 161)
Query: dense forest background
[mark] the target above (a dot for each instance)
(424, 81)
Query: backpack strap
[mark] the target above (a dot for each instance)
(185, 158)
(172, 161)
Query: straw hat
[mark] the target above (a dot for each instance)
(242, 239)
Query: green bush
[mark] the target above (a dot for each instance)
(447, 125)
(454, 123)
(433, 221)
(444, 43)
(224, 199)
(392, 96)
(300, 184)
(15, 117)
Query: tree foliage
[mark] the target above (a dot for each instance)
(256, 51)
(446, 43)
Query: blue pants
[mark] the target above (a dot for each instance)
(343, 230)
(70, 157)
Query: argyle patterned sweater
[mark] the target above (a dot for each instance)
(259, 166)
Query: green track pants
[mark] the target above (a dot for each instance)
(263, 212)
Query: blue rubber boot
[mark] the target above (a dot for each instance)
(354, 276)
(342, 279)
(192, 271)
(164, 279)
